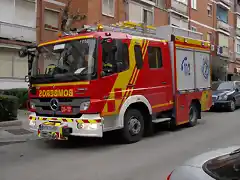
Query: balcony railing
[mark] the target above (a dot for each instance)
(179, 7)
(17, 32)
(222, 25)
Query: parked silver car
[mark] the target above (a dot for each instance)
(221, 164)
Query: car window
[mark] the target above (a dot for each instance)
(215, 85)
(226, 86)
(225, 167)
(237, 84)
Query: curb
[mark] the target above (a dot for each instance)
(25, 112)
(11, 123)
(18, 138)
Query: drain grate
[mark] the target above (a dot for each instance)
(18, 131)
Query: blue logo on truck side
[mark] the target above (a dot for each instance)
(185, 66)
(205, 69)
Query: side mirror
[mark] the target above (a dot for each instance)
(23, 53)
(27, 78)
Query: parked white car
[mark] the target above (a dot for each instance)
(220, 164)
(7, 83)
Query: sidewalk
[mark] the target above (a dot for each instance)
(16, 131)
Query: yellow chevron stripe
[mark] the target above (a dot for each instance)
(124, 77)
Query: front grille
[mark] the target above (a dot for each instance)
(59, 99)
(43, 107)
(59, 115)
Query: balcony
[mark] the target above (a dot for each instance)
(179, 7)
(222, 25)
(227, 2)
(223, 51)
(17, 32)
(149, 2)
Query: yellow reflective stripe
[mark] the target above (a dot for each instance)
(40, 118)
(80, 121)
(69, 120)
(92, 121)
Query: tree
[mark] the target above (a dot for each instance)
(68, 18)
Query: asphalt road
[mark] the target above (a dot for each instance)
(151, 159)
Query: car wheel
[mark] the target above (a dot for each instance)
(133, 126)
(232, 106)
(193, 115)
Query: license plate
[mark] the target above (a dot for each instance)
(66, 109)
(48, 126)
(45, 134)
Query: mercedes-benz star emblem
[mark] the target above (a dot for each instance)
(54, 104)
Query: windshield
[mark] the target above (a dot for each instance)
(225, 167)
(76, 57)
(223, 86)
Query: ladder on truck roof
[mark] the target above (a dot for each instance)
(128, 28)
(161, 32)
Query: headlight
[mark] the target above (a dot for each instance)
(32, 105)
(84, 106)
(223, 97)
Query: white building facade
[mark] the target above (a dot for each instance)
(17, 28)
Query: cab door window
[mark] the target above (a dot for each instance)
(154, 57)
(115, 57)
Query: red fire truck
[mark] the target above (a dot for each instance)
(122, 77)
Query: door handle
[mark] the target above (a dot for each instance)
(164, 82)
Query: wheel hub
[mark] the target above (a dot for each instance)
(192, 114)
(232, 104)
(134, 126)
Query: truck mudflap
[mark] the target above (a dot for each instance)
(89, 125)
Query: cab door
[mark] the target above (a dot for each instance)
(159, 71)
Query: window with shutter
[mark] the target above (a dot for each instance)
(51, 19)
(238, 22)
(194, 4)
(108, 7)
(223, 40)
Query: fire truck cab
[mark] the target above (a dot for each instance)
(119, 77)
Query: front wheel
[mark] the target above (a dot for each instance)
(193, 115)
(133, 126)
(232, 106)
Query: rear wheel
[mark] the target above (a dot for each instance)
(193, 115)
(133, 126)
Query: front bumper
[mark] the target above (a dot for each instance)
(89, 125)
(221, 104)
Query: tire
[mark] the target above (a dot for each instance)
(193, 115)
(172, 125)
(133, 126)
(232, 106)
